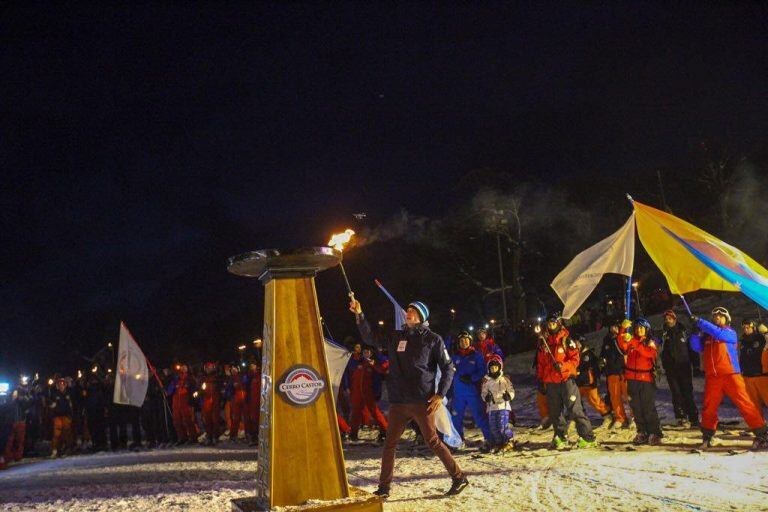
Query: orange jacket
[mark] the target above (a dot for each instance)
(641, 358)
(564, 351)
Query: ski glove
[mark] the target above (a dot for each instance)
(507, 397)
(558, 367)
(488, 398)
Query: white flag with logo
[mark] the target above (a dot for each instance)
(131, 377)
(615, 255)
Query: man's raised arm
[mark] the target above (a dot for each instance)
(362, 324)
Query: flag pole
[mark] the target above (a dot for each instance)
(685, 303)
(628, 299)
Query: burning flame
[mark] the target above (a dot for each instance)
(204, 386)
(338, 240)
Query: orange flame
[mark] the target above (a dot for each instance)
(338, 240)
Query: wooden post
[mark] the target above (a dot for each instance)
(300, 451)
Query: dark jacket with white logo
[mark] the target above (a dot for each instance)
(675, 348)
(413, 369)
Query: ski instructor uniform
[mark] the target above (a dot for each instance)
(415, 354)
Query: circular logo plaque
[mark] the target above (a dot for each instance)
(300, 385)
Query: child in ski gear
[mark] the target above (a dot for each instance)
(497, 392)
(641, 350)
(716, 341)
(612, 361)
(61, 412)
(588, 378)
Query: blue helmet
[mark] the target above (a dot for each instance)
(421, 309)
(644, 323)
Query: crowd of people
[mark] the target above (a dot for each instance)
(222, 402)
(733, 366)
(67, 415)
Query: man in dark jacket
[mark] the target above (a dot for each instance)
(752, 361)
(415, 354)
(676, 360)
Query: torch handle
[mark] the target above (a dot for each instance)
(346, 281)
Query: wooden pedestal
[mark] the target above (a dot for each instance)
(300, 452)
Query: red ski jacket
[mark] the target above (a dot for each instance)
(564, 351)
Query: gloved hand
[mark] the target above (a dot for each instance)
(488, 398)
(762, 329)
(694, 320)
(626, 323)
(466, 379)
(558, 367)
(507, 397)
(626, 337)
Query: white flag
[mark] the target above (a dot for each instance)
(132, 377)
(615, 255)
(337, 357)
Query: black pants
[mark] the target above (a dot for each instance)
(642, 399)
(680, 379)
(119, 418)
(564, 402)
(156, 422)
(97, 426)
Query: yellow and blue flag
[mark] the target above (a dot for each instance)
(692, 259)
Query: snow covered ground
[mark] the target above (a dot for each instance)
(666, 478)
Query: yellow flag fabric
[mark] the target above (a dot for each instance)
(674, 244)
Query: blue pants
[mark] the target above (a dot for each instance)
(460, 403)
(500, 430)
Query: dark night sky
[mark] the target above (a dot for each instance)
(141, 144)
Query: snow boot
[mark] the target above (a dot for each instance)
(654, 440)
(558, 443)
(382, 492)
(382, 436)
(508, 447)
(708, 439)
(761, 440)
(458, 485)
(639, 439)
(486, 447)
(583, 443)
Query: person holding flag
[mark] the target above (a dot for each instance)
(716, 341)
(641, 350)
(416, 353)
(557, 360)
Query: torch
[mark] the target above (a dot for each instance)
(338, 241)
